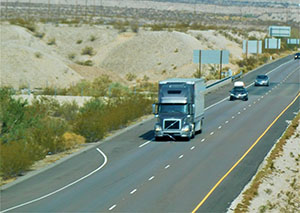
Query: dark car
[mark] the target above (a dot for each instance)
(262, 80)
(239, 93)
(297, 56)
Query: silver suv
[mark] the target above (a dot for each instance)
(262, 80)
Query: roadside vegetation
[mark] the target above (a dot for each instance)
(30, 132)
(268, 169)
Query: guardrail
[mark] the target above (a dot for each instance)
(217, 82)
(222, 82)
(236, 76)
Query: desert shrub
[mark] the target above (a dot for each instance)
(79, 41)
(67, 111)
(28, 24)
(48, 135)
(15, 158)
(85, 63)
(96, 119)
(92, 38)
(89, 123)
(100, 86)
(88, 51)
(130, 76)
(120, 26)
(39, 35)
(134, 27)
(13, 117)
(71, 140)
(247, 64)
(38, 55)
(157, 27)
(51, 41)
(71, 56)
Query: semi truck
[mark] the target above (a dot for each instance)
(180, 108)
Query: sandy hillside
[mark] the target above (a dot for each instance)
(25, 60)
(29, 60)
(152, 53)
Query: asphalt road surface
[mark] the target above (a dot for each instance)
(132, 173)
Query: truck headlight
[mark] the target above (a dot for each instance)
(157, 128)
(186, 128)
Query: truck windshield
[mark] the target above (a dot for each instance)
(164, 108)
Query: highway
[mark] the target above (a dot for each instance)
(132, 173)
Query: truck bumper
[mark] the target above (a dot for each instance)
(173, 134)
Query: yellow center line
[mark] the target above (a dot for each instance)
(232, 168)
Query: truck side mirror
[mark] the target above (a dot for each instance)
(192, 109)
(154, 109)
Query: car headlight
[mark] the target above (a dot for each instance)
(157, 128)
(186, 128)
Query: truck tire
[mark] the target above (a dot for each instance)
(193, 131)
(201, 123)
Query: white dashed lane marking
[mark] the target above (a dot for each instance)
(112, 207)
(193, 147)
(226, 122)
(203, 140)
(151, 178)
(211, 133)
(133, 191)
(167, 166)
(181, 156)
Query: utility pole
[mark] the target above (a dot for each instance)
(221, 62)
(94, 13)
(76, 9)
(85, 9)
(28, 9)
(200, 64)
(6, 10)
(48, 10)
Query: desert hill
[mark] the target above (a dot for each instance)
(27, 61)
(56, 58)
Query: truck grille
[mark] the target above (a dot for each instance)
(172, 124)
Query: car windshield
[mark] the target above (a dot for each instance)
(262, 77)
(238, 89)
(164, 108)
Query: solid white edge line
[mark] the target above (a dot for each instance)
(63, 188)
(112, 207)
